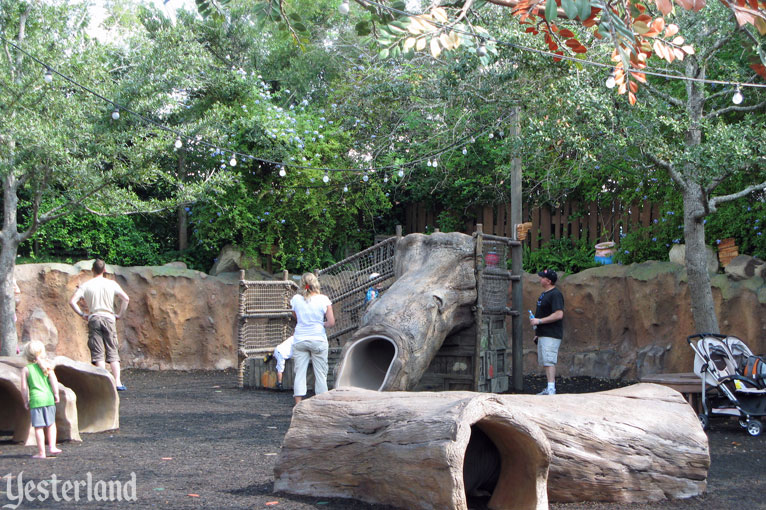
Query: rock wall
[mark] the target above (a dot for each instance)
(623, 322)
(620, 322)
(177, 318)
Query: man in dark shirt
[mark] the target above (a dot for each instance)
(549, 327)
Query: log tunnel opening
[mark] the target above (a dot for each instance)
(367, 363)
(501, 466)
(12, 412)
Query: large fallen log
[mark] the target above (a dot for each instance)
(414, 450)
(636, 444)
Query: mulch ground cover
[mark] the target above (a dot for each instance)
(194, 440)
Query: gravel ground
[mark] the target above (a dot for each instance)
(194, 440)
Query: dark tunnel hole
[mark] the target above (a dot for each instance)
(367, 363)
(481, 469)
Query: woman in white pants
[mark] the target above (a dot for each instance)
(313, 311)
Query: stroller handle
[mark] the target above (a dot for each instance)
(700, 336)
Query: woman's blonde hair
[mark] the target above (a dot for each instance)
(309, 285)
(34, 351)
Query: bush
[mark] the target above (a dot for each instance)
(562, 255)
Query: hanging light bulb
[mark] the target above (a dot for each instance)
(326, 178)
(737, 98)
(345, 189)
(233, 161)
(385, 178)
(400, 173)
(179, 143)
(282, 172)
(48, 76)
(365, 177)
(116, 114)
(435, 163)
(482, 49)
(429, 163)
(465, 151)
(344, 8)
(473, 140)
(610, 82)
(308, 192)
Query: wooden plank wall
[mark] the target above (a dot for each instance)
(575, 220)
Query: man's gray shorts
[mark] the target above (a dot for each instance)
(548, 350)
(102, 338)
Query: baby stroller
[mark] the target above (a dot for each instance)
(733, 380)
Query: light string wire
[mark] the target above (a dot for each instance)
(567, 57)
(462, 142)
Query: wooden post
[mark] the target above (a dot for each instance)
(398, 232)
(479, 264)
(517, 338)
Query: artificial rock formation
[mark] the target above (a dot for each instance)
(414, 450)
(402, 330)
(88, 400)
(177, 318)
(411, 450)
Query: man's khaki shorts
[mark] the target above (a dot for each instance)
(548, 351)
(102, 338)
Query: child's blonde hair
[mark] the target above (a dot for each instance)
(34, 351)
(309, 285)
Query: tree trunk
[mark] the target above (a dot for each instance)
(9, 245)
(183, 218)
(695, 209)
(700, 292)
(404, 328)
(411, 450)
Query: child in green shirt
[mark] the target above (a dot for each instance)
(40, 390)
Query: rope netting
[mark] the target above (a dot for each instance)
(496, 278)
(353, 282)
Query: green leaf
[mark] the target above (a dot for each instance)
(362, 28)
(295, 16)
(383, 53)
(300, 27)
(584, 9)
(550, 10)
(570, 9)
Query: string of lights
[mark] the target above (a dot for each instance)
(647, 71)
(431, 158)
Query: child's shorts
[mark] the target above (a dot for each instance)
(43, 416)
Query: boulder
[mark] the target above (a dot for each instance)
(232, 259)
(678, 255)
(743, 267)
(38, 326)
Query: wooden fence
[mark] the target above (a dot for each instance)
(596, 222)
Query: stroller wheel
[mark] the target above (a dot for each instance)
(754, 427)
(743, 423)
(704, 421)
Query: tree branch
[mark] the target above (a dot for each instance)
(713, 202)
(736, 108)
(666, 97)
(667, 165)
(714, 48)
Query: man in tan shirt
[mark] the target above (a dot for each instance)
(98, 294)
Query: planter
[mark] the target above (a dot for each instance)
(604, 252)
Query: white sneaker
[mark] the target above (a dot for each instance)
(548, 391)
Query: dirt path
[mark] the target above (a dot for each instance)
(194, 440)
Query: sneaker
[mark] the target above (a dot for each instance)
(268, 358)
(279, 386)
(122, 388)
(548, 391)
